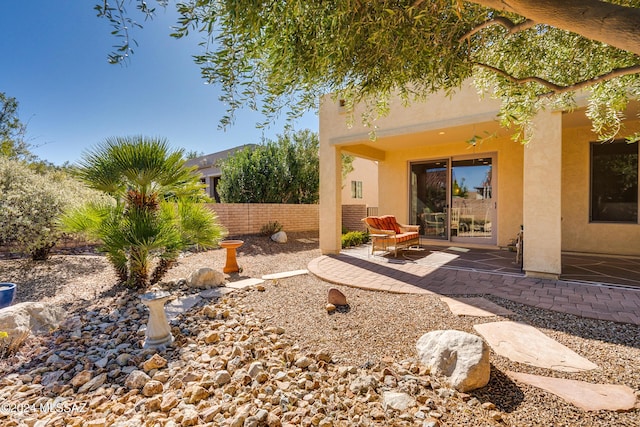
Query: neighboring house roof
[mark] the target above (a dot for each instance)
(207, 165)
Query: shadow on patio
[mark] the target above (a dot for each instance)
(623, 271)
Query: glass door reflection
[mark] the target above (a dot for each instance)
(472, 203)
(429, 195)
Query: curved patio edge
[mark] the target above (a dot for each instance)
(580, 299)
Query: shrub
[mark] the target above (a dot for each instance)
(271, 228)
(30, 204)
(354, 238)
(154, 212)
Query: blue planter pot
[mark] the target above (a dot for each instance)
(7, 294)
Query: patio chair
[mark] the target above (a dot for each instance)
(385, 232)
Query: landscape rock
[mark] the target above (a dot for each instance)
(93, 384)
(155, 362)
(397, 401)
(221, 377)
(169, 401)
(196, 393)
(303, 362)
(81, 378)
(212, 338)
(336, 297)
(136, 379)
(461, 357)
(205, 278)
(152, 388)
(34, 317)
(279, 237)
(362, 384)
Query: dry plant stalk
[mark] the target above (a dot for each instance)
(10, 346)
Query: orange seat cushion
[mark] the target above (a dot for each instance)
(406, 237)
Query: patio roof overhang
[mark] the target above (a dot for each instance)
(390, 138)
(401, 139)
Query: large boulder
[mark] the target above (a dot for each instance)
(461, 357)
(279, 237)
(34, 317)
(205, 278)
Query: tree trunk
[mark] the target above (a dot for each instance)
(161, 269)
(608, 23)
(42, 253)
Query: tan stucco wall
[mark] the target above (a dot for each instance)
(365, 171)
(439, 112)
(578, 234)
(542, 204)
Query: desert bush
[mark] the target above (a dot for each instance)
(354, 238)
(271, 228)
(30, 204)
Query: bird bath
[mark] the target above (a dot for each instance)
(231, 265)
(158, 330)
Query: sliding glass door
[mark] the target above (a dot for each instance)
(473, 206)
(429, 198)
(453, 199)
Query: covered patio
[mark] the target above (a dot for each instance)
(447, 166)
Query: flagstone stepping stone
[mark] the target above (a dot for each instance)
(245, 283)
(215, 292)
(284, 274)
(478, 306)
(307, 240)
(181, 305)
(584, 395)
(525, 344)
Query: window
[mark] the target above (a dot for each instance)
(614, 182)
(356, 189)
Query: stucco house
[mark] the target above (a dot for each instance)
(448, 166)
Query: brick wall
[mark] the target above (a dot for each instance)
(352, 216)
(248, 218)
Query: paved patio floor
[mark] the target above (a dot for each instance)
(593, 287)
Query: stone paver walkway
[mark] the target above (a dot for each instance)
(587, 300)
(244, 283)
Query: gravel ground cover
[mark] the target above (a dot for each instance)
(377, 331)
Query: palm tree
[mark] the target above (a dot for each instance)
(154, 213)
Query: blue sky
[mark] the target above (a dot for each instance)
(54, 62)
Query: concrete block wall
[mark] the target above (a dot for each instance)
(248, 218)
(352, 217)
